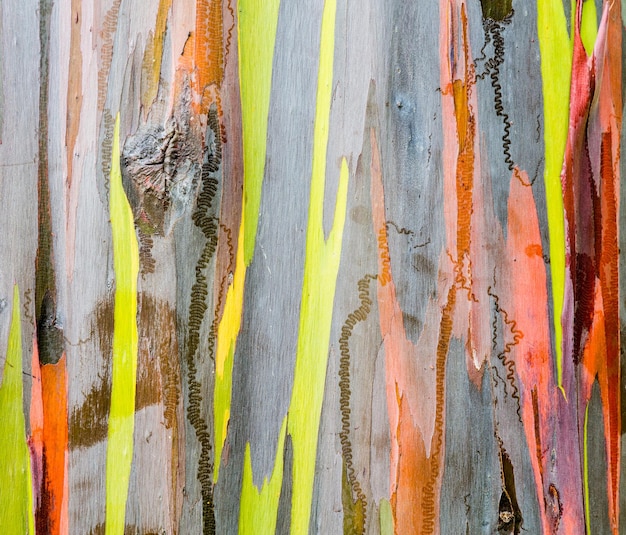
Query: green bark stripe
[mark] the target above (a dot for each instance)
(259, 508)
(318, 293)
(257, 23)
(556, 70)
(16, 496)
(589, 26)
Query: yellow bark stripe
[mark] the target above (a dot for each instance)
(318, 293)
(257, 22)
(556, 68)
(124, 372)
(16, 497)
(321, 266)
(256, 31)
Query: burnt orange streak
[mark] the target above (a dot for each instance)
(209, 53)
(413, 470)
(465, 129)
(185, 72)
(55, 445)
(74, 86)
(528, 303)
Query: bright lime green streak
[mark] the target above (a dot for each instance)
(256, 31)
(258, 509)
(257, 24)
(318, 292)
(124, 373)
(589, 26)
(556, 70)
(16, 496)
(386, 518)
(221, 407)
(586, 471)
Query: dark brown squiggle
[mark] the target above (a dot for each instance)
(197, 310)
(147, 262)
(358, 315)
(106, 51)
(504, 356)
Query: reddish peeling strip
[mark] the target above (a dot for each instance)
(528, 304)
(609, 119)
(48, 444)
(35, 440)
(52, 510)
(589, 179)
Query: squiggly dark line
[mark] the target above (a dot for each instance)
(230, 246)
(229, 33)
(220, 115)
(493, 33)
(147, 262)
(497, 378)
(28, 300)
(508, 363)
(400, 230)
(197, 310)
(494, 347)
(406, 232)
(498, 46)
(358, 315)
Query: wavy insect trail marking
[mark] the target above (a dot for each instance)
(358, 315)
(197, 309)
(124, 367)
(590, 319)
(256, 30)
(471, 227)
(16, 503)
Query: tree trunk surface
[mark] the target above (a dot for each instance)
(311, 267)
